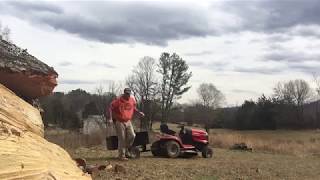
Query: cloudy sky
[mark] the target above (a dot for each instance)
(244, 47)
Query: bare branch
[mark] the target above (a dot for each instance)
(6, 33)
(210, 96)
(295, 91)
(316, 80)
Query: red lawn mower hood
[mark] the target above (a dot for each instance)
(199, 135)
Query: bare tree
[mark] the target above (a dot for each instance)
(316, 80)
(5, 33)
(105, 94)
(0, 30)
(114, 88)
(143, 83)
(102, 98)
(296, 92)
(143, 79)
(100, 102)
(283, 92)
(211, 99)
(210, 96)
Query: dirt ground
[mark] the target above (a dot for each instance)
(226, 164)
(281, 154)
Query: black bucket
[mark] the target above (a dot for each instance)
(112, 142)
(142, 139)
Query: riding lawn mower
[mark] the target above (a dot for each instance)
(188, 143)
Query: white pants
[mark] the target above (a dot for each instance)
(125, 135)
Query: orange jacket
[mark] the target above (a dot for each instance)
(122, 109)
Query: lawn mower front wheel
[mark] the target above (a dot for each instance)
(134, 152)
(207, 152)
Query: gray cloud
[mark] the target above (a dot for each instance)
(207, 52)
(156, 23)
(219, 66)
(259, 70)
(117, 22)
(306, 68)
(275, 47)
(310, 30)
(283, 56)
(75, 81)
(80, 81)
(196, 63)
(65, 63)
(216, 66)
(274, 15)
(290, 56)
(32, 6)
(294, 60)
(278, 38)
(287, 60)
(256, 41)
(244, 91)
(101, 64)
(228, 42)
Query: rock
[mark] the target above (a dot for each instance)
(91, 169)
(241, 146)
(81, 163)
(119, 169)
(257, 170)
(108, 167)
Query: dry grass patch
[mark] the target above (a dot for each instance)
(299, 143)
(70, 140)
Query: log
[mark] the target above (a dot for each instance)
(24, 153)
(24, 74)
(18, 114)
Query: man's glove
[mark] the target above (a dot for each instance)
(109, 121)
(141, 114)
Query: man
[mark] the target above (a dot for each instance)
(121, 111)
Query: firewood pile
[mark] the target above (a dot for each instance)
(24, 153)
(24, 74)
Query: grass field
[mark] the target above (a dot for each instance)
(299, 143)
(281, 154)
(225, 164)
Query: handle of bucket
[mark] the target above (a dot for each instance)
(110, 129)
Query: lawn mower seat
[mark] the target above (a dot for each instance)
(186, 136)
(165, 129)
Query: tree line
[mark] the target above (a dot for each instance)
(293, 105)
(158, 84)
